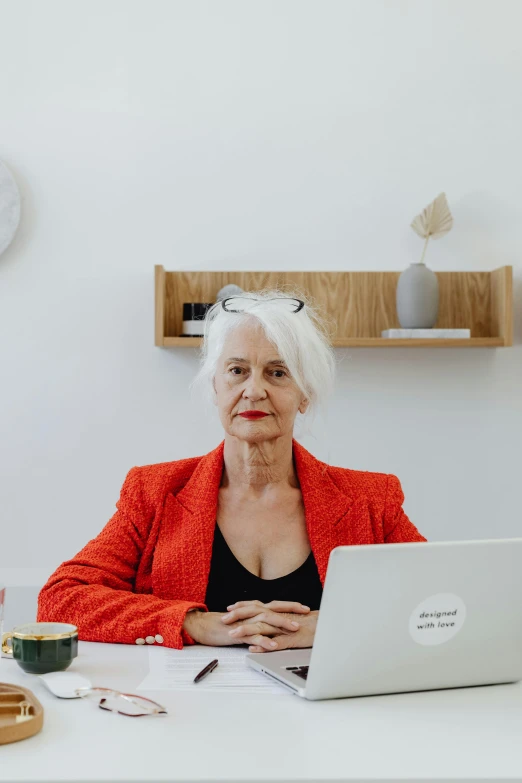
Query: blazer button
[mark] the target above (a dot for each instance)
(159, 638)
(149, 639)
(140, 641)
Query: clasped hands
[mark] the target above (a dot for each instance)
(278, 625)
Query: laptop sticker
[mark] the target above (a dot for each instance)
(437, 619)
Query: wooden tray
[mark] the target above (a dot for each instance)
(21, 714)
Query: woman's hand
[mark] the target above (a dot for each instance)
(207, 628)
(278, 625)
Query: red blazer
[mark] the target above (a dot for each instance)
(151, 562)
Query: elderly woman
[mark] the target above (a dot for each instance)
(232, 547)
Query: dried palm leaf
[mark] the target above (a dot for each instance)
(435, 221)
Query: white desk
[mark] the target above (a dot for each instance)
(472, 734)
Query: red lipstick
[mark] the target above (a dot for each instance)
(253, 414)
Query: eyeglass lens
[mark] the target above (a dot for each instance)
(242, 303)
(124, 706)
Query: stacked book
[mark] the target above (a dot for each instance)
(438, 334)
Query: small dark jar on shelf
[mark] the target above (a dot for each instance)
(194, 314)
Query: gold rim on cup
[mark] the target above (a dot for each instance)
(7, 650)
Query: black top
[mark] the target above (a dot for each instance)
(229, 581)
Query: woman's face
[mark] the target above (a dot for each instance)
(251, 376)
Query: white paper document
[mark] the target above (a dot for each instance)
(174, 670)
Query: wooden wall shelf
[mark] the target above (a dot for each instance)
(363, 304)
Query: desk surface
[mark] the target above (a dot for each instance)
(464, 733)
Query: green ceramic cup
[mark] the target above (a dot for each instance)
(42, 647)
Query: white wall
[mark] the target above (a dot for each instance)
(238, 134)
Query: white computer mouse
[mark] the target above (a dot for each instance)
(64, 684)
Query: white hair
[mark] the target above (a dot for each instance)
(302, 340)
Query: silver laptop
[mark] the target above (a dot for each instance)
(410, 617)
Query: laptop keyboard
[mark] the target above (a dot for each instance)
(301, 671)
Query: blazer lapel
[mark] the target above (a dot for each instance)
(334, 517)
(184, 549)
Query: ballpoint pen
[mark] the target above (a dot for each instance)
(209, 668)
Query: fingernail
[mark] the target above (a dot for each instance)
(305, 607)
(273, 644)
(231, 605)
(235, 630)
(294, 623)
(225, 617)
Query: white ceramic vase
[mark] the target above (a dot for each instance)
(417, 297)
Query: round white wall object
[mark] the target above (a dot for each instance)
(9, 207)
